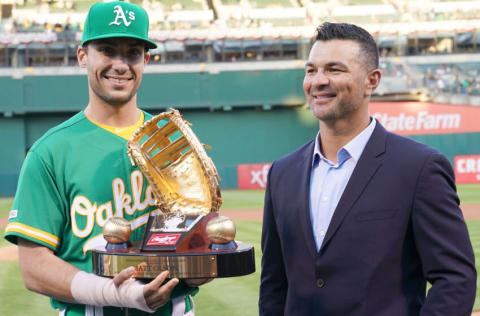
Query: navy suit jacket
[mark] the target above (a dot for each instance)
(397, 225)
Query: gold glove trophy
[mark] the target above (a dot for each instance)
(185, 235)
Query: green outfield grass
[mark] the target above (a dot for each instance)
(474, 230)
(5, 204)
(232, 296)
(469, 193)
(242, 199)
(16, 300)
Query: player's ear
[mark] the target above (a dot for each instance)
(146, 57)
(82, 56)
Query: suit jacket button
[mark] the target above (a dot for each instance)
(320, 283)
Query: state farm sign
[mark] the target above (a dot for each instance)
(253, 176)
(418, 118)
(467, 169)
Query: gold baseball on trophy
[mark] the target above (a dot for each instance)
(117, 230)
(221, 230)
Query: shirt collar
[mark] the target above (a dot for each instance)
(353, 148)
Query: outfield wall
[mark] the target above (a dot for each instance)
(212, 87)
(236, 136)
(250, 116)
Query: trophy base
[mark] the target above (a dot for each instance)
(184, 265)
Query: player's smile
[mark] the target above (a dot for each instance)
(118, 81)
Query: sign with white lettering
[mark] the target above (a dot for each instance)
(418, 118)
(163, 239)
(467, 169)
(252, 176)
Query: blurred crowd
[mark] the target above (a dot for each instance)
(448, 78)
(33, 26)
(461, 78)
(433, 15)
(406, 11)
(451, 78)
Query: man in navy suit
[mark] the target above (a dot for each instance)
(357, 221)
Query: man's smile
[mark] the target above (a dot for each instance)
(118, 80)
(322, 97)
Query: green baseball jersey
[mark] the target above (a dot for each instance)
(73, 179)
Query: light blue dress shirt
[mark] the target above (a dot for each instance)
(328, 180)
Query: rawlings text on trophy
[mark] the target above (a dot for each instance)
(185, 235)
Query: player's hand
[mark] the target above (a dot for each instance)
(196, 282)
(156, 295)
(123, 276)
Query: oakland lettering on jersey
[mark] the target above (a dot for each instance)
(419, 121)
(124, 204)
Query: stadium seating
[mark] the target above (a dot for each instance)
(208, 31)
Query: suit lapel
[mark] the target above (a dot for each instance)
(303, 172)
(368, 164)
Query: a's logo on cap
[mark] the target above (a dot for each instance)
(121, 16)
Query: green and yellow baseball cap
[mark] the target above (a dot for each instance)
(116, 19)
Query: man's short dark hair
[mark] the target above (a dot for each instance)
(344, 31)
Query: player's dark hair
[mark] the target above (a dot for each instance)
(344, 31)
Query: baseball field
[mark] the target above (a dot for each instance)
(222, 297)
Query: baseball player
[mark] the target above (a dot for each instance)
(78, 175)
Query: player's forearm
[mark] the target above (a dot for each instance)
(45, 273)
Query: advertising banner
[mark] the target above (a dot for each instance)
(467, 169)
(252, 176)
(419, 118)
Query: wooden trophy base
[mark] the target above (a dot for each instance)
(185, 254)
(184, 265)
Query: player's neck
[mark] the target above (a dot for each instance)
(118, 116)
(335, 136)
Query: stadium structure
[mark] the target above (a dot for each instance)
(234, 68)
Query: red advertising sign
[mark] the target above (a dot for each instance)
(163, 239)
(419, 118)
(252, 176)
(467, 169)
